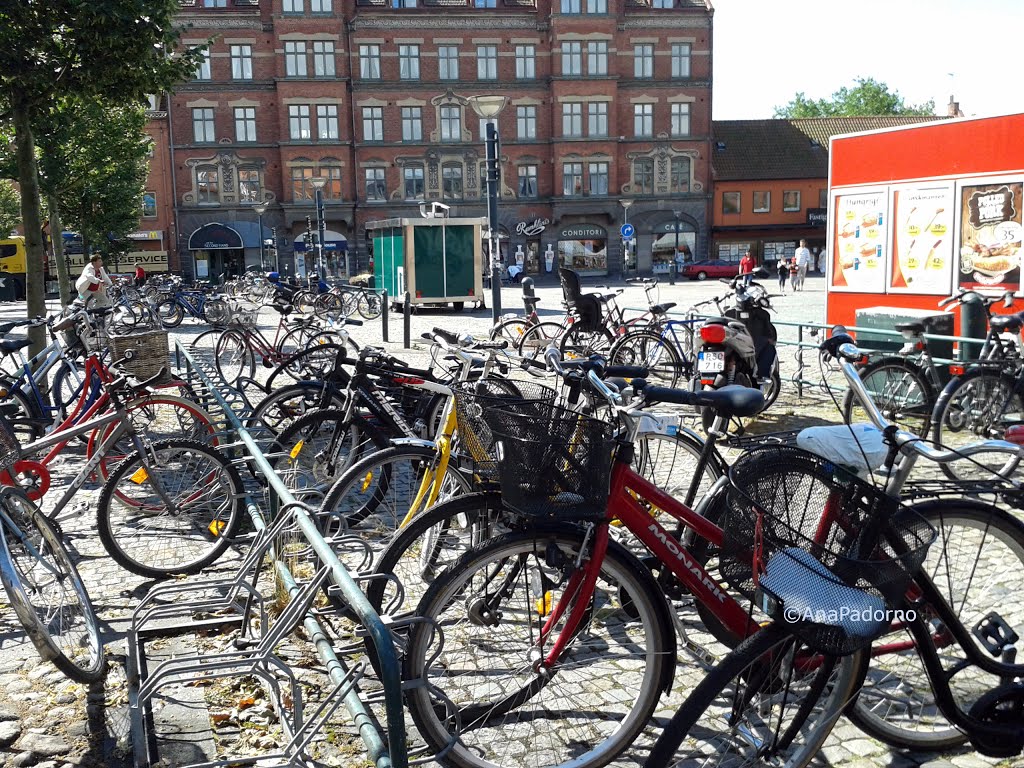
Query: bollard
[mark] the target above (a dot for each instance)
(407, 322)
(672, 272)
(528, 292)
(385, 310)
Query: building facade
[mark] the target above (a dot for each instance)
(606, 119)
(771, 183)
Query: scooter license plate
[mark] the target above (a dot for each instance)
(710, 362)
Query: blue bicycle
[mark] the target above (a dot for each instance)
(202, 305)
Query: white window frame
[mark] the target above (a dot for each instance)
(241, 62)
(767, 207)
(487, 62)
(295, 58)
(323, 58)
(245, 124)
(791, 207)
(327, 117)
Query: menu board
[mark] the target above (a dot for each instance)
(859, 249)
(990, 236)
(922, 246)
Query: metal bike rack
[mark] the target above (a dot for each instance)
(234, 602)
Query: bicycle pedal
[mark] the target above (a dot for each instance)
(995, 634)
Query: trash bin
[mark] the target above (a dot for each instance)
(973, 324)
(8, 287)
(886, 318)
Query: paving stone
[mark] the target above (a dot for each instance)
(65, 698)
(10, 730)
(23, 759)
(14, 684)
(7, 714)
(45, 744)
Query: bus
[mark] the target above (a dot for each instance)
(12, 269)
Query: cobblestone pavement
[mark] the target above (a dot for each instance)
(48, 721)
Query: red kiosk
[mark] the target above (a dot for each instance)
(916, 213)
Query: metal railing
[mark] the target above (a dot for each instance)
(385, 750)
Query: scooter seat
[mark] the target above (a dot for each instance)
(858, 446)
(1006, 323)
(915, 327)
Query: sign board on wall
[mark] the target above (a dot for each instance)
(860, 241)
(990, 235)
(922, 242)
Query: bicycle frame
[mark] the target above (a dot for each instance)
(35, 370)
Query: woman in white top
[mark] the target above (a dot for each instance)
(93, 283)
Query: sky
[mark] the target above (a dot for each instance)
(766, 51)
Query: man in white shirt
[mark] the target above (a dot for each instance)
(803, 261)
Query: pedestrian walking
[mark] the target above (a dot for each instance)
(802, 258)
(747, 267)
(783, 268)
(93, 283)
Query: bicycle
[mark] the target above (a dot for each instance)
(236, 349)
(42, 584)
(169, 507)
(204, 305)
(906, 386)
(913, 718)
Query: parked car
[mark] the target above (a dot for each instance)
(702, 270)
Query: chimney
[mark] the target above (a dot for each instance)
(953, 108)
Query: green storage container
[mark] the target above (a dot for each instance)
(437, 260)
(936, 322)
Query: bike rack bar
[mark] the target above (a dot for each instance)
(388, 751)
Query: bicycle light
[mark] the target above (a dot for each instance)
(713, 334)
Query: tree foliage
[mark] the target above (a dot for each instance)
(118, 51)
(10, 208)
(867, 97)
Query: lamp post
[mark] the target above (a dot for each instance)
(318, 183)
(677, 215)
(260, 210)
(625, 242)
(489, 107)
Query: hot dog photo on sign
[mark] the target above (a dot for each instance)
(860, 248)
(990, 236)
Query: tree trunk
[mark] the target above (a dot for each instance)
(58, 250)
(31, 217)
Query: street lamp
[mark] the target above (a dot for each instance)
(488, 108)
(260, 210)
(318, 183)
(678, 215)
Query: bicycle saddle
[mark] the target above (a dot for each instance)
(809, 590)
(531, 302)
(846, 445)
(99, 311)
(1006, 323)
(915, 327)
(13, 345)
(731, 400)
(661, 309)
(284, 309)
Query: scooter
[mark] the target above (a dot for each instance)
(739, 347)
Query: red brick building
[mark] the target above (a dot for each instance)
(607, 118)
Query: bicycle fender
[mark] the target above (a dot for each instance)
(413, 441)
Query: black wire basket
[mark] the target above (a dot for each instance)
(817, 548)
(476, 398)
(555, 468)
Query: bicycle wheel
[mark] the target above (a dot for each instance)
(67, 387)
(329, 306)
(536, 340)
(283, 406)
(313, 363)
(217, 312)
(379, 491)
(900, 390)
(370, 305)
(315, 450)
(584, 341)
(303, 301)
(480, 683)
(158, 417)
(180, 527)
(170, 313)
(979, 405)
(651, 351)
(24, 419)
(977, 564)
(769, 702)
(235, 357)
(46, 592)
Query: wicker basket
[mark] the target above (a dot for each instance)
(150, 352)
(244, 314)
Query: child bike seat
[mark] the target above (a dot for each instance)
(808, 591)
(846, 445)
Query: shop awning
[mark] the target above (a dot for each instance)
(667, 242)
(214, 237)
(333, 241)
